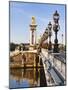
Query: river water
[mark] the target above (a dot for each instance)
(28, 77)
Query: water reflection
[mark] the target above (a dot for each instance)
(31, 77)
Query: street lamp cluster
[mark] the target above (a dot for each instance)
(48, 32)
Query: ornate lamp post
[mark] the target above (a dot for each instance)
(56, 28)
(62, 42)
(46, 36)
(49, 34)
(46, 33)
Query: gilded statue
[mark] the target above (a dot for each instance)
(33, 20)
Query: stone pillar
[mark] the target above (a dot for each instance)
(30, 37)
(34, 60)
(33, 34)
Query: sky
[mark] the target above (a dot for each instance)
(20, 19)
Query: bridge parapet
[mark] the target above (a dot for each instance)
(54, 66)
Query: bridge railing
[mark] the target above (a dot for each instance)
(55, 66)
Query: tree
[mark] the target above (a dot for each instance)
(13, 46)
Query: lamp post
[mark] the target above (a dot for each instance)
(46, 36)
(62, 42)
(56, 28)
(46, 31)
(49, 34)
